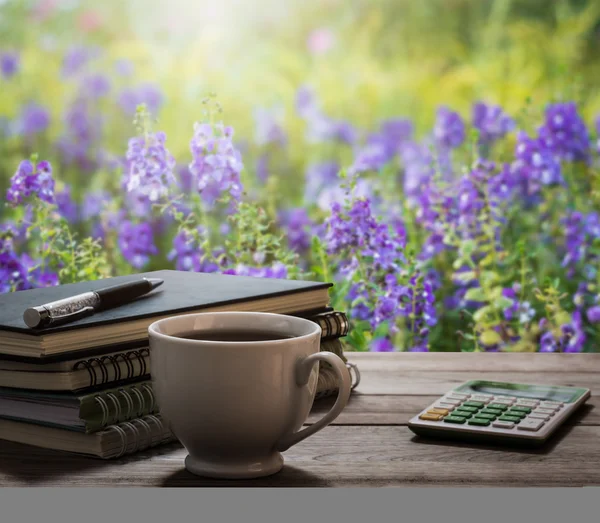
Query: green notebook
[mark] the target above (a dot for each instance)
(88, 412)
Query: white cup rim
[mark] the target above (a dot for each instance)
(313, 329)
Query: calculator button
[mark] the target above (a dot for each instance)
(551, 404)
(498, 406)
(483, 399)
(450, 401)
(516, 413)
(430, 417)
(443, 405)
(439, 412)
(454, 419)
(471, 403)
(537, 415)
(467, 408)
(495, 412)
(527, 403)
(505, 400)
(512, 419)
(481, 415)
(462, 413)
(548, 412)
(532, 425)
(458, 396)
(526, 410)
(503, 424)
(479, 422)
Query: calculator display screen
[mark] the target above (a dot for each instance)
(550, 393)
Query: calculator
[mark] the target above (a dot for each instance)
(499, 412)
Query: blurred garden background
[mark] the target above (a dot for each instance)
(438, 160)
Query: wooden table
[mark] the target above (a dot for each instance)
(370, 445)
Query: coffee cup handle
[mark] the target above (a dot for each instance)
(303, 370)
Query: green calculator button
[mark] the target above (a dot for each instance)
(473, 404)
(497, 406)
(467, 409)
(480, 422)
(481, 415)
(517, 413)
(454, 419)
(462, 414)
(495, 412)
(526, 410)
(506, 417)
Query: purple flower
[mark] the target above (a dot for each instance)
(593, 314)
(523, 312)
(96, 85)
(216, 163)
(382, 345)
(93, 204)
(449, 129)
(146, 93)
(31, 180)
(83, 130)
(150, 168)
(572, 337)
(297, 226)
(491, 122)
(188, 255)
(358, 297)
(535, 165)
(580, 232)
(262, 167)
(320, 127)
(336, 194)
(34, 119)
(371, 157)
(277, 270)
(318, 177)
(9, 64)
(76, 58)
(395, 133)
(66, 206)
(268, 127)
(136, 242)
(564, 133)
(124, 67)
(418, 164)
(306, 102)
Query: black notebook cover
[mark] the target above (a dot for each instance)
(181, 292)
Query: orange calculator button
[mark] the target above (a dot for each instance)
(431, 417)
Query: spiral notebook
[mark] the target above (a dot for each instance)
(182, 292)
(125, 365)
(76, 374)
(114, 441)
(89, 412)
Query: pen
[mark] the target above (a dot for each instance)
(76, 307)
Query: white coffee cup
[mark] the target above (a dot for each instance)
(236, 405)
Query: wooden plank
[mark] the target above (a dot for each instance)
(337, 456)
(418, 383)
(365, 409)
(484, 362)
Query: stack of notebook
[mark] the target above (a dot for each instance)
(85, 386)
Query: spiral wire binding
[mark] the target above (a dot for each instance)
(333, 324)
(129, 399)
(141, 399)
(120, 429)
(130, 405)
(103, 364)
(351, 367)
